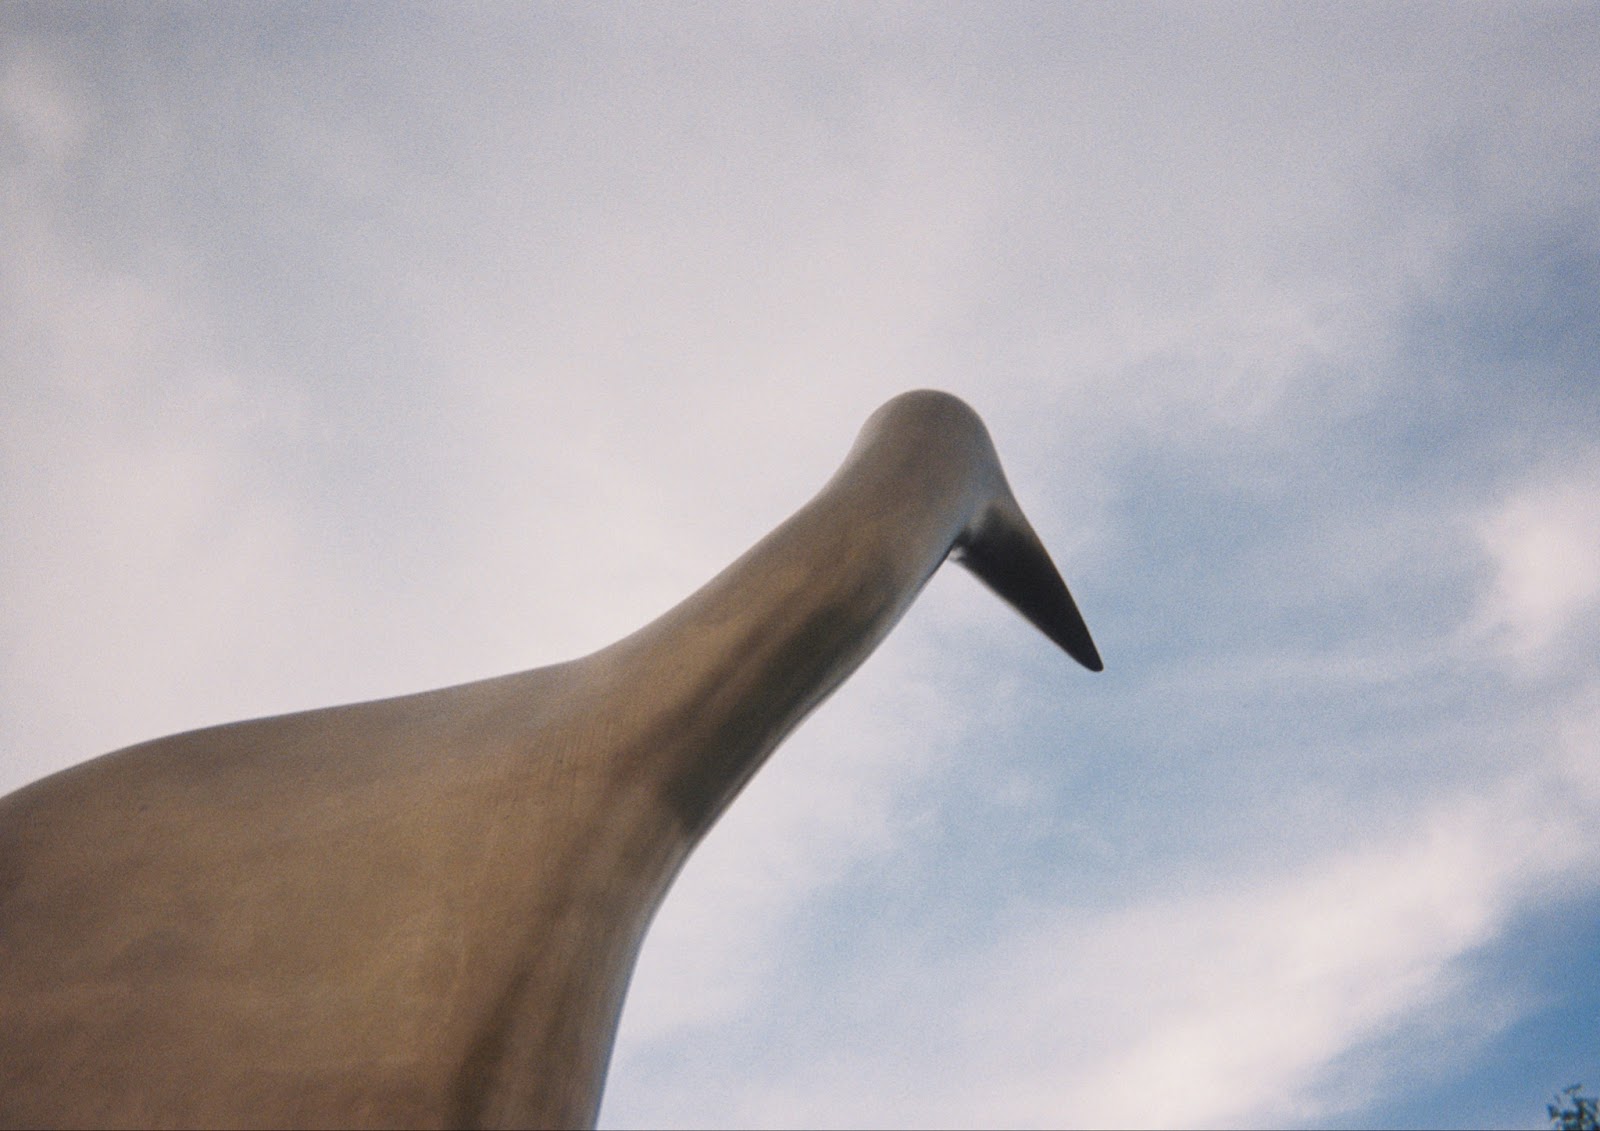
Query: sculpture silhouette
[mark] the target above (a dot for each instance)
(424, 911)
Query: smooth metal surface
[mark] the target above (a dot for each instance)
(424, 911)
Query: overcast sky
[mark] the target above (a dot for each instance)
(351, 351)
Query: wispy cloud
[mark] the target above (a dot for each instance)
(1544, 541)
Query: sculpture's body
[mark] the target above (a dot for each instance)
(424, 911)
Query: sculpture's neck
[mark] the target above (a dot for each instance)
(658, 732)
(738, 664)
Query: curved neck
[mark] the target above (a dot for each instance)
(735, 667)
(667, 725)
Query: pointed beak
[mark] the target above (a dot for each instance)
(1007, 556)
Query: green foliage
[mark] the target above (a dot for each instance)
(1572, 1112)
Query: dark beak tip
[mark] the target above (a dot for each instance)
(1082, 649)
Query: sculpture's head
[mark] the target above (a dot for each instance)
(936, 433)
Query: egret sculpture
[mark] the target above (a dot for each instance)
(424, 911)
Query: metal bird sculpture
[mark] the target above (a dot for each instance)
(424, 911)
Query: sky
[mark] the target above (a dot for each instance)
(353, 350)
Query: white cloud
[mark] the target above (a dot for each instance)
(132, 521)
(1544, 543)
(37, 106)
